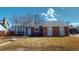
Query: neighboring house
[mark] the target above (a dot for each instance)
(4, 25)
(50, 28)
(77, 29)
(74, 29)
(2, 30)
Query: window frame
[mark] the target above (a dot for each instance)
(37, 29)
(20, 30)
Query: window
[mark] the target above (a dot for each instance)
(37, 29)
(20, 30)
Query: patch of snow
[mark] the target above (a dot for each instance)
(2, 28)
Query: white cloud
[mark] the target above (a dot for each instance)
(55, 14)
(50, 12)
(44, 14)
(50, 15)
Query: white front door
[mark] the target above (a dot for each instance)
(61, 31)
(49, 31)
(28, 31)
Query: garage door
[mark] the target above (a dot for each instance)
(49, 31)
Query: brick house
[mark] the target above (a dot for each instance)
(29, 30)
(54, 28)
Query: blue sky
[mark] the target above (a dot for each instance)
(69, 14)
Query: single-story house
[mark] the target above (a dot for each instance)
(27, 29)
(50, 28)
(55, 28)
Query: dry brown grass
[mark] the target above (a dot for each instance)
(4, 39)
(43, 44)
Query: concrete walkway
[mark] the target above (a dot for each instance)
(5, 43)
(75, 35)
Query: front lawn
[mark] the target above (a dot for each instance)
(43, 44)
(4, 39)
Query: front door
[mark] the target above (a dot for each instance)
(49, 31)
(28, 31)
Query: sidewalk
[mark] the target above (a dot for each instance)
(5, 43)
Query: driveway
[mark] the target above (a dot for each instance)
(75, 35)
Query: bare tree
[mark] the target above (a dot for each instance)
(27, 19)
(15, 19)
(37, 19)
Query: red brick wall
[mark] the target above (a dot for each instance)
(26, 30)
(41, 31)
(56, 31)
(11, 33)
(32, 30)
(44, 29)
(36, 33)
(66, 29)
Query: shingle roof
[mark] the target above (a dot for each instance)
(55, 23)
